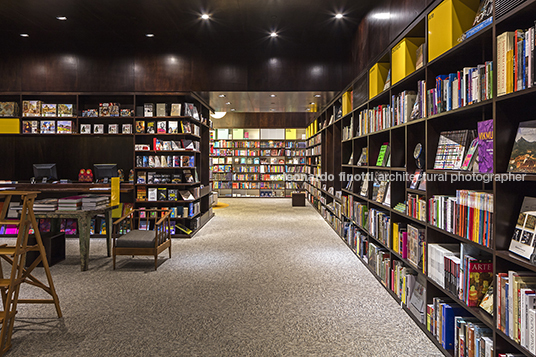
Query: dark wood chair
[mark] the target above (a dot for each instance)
(142, 232)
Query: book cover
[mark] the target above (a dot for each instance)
(175, 109)
(113, 129)
(65, 110)
(152, 194)
(148, 109)
(98, 128)
(173, 127)
(31, 108)
(27, 127)
(140, 126)
(485, 146)
(480, 278)
(383, 154)
(64, 127)
(161, 127)
(161, 109)
(85, 128)
(523, 156)
(523, 240)
(48, 127)
(151, 127)
(470, 156)
(126, 129)
(48, 110)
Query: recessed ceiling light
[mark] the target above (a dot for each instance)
(205, 16)
(24, 35)
(273, 95)
(312, 103)
(317, 95)
(308, 109)
(149, 34)
(222, 96)
(232, 109)
(273, 34)
(228, 103)
(339, 16)
(61, 18)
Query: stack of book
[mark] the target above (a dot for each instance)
(46, 205)
(72, 203)
(92, 202)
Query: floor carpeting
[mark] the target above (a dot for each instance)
(260, 279)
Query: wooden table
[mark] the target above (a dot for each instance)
(84, 224)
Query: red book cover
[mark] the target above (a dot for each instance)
(405, 245)
(480, 278)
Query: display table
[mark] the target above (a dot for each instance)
(84, 224)
(298, 199)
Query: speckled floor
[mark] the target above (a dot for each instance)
(261, 279)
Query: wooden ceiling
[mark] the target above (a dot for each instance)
(233, 24)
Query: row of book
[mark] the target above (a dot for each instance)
(166, 127)
(222, 168)
(375, 119)
(267, 152)
(152, 177)
(516, 307)
(315, 140)
(169, 145)
(515, 61)
(456, 330)
(36, 108)
(332, 218)
(469, 214)
(257, 161)
(158, 161)
(167, 109)
(462, 270)
(416, 206)
(153, 194)
(409, 241)
(315, 150)
(258, 185)
(467, 86)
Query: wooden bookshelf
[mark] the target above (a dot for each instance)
(335, 151)
(257, 167)
(75, 150)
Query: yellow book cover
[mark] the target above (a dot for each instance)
(115, 192)
(510, 71)
(395, 237)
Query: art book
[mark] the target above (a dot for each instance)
(65, 110)
(65, 127)
(523, 241)
(485, 146)
(48, 127)
(523, 157)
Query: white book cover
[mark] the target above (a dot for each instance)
(151, 194)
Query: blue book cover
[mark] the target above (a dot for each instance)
(448, 326)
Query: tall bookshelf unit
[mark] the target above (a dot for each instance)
(331, 144)
(95, 138)
(255, 162)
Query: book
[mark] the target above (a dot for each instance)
(126, 129)
(175, 109)
(173, 127)
(151, 127)
(470, 156)
(161, 109)
(419, 57)
(523, 156)
(487, 301)
(161, 127)
(85, 128)
(140, 126)
(480, 278)
(362, 158)
(485, 146)
(65, 110)
(523, 240)
(48, 110)
(416, 179)
(64, 127)
(451, 149)
(152, 194)
(186, 195)
(383, 155)
(183, 228)
(113, 129)
(98, 128)
(48, 127)
(31, 108)
(148, 109)
(30, 127)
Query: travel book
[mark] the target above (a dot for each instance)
(523, 156)
(523, 241)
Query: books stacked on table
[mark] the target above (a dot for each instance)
(72, 203)
(46, 205)
(91, 202)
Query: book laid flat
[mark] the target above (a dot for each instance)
(451, 149)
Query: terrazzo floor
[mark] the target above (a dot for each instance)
(260, 279)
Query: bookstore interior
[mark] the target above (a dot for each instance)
(408, 126)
